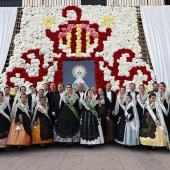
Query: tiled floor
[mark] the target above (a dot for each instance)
(79, 157)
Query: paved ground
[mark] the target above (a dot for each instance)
(106, 157)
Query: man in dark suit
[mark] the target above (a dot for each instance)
(80, 91)
(56, 101)
(111, 95)
(32, 98)
(133, 93)
(45, 88)
(49, 95)
(9, 99)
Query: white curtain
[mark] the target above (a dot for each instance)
(156, 23)
(7, 23)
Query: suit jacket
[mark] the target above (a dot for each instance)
(49, 96)
(113, 96)
(55, 103)
(11, 100)
(30, 100)
(77, 92)
(136, 93)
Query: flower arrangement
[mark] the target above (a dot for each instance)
(107, 35)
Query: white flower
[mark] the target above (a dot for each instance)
(45, 65)
(17, 75)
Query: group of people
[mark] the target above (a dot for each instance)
(89, 117)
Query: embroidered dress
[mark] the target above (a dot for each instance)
(68, 123)
(103, 109)
(16, 103)
(4, 123)
(150, 133)
(128, 132)
(90, 128)
(164, 103)
(119, 112)
(140, 104)
(42, 128)
(20, 131)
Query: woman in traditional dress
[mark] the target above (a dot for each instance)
(163, 98)
(119, 112)
(104, 111)
(17, 101)
(153, 131)
(128, 135)
(41, 94)
(141, 99)
(42, 128)
(20, 131)
(90, 128)
(68, 122)
(4, 121)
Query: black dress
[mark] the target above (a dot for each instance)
(140, 101)
(148, 126)
(24, 120)
(104, 110)
(120, 127)
(166, 117)
(4, 124)
(67, 124)
(46, 126)
(89, 131)
(150, 133)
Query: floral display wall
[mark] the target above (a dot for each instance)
(48, 36)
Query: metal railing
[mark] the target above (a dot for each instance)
(79, 2)
(50, 3)
(10, 3)
(134, 2)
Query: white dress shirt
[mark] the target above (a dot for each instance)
(133, 94)
(61, 95)
(7, 98)
(109, 95)
(33, 95)
(81, 96)
(94, 96)
(45, 93)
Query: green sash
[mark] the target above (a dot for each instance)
(91, 108)
(71, 107)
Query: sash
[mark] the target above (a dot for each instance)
(4, 105)
(135, 122)
(91, 108)
(162, 106)
(24, 109)
(140, 102)
(44, 111)
(122, 105)
(151, 112)
(71, 107)
(155, 118)
(132, 124)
